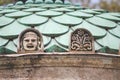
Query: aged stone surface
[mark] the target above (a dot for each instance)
(54, 66)
(60, 73)
(30, 41)
(82, 40)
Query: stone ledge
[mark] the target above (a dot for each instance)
(99, 60)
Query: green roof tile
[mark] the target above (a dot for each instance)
(34, 10)
(55, 48)
(29, 2)
(3, 41)
(4, 50)
(67, 2)
(115, 14)
(110, 41)
(11, 46)
(19, 7)
(48, 1)
(52, 29)
(97, 46)
(5, 11)
(102, 22)
(50, 6)
(33, 20)
(51, 44)
(99, 10)
(90, 11)
(119, 23)
(18, 14)
(62, 10)
(115, 31)
(49, 13)
(74, 8)
(109, 17)
(46, 40)
(68, 20)
(14, 28)
(5, 21)
(38, 1)
(58, 2)
(19, 3)
(64, 40)
(80, 14)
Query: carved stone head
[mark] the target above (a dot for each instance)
(82, 41)
(30, 41)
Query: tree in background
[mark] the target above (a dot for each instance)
(114, 5)
(6, 1)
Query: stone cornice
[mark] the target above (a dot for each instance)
(99, 60)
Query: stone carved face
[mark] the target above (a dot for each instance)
(30, 41)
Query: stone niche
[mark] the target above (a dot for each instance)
(30, 41)
(82, 41)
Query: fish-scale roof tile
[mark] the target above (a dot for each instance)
(90, 11)
(110, 41)
(33, 20)
(5, 11)
(3, 41)
(11, 46)
(34, 10)
(115, 31)
(14, 28)
(64, 40)
(109, 17)
(49, 13)
(18, 14)
(67, 20)
(52, 29)
(80, 14)
(107, 24)
(5, 21)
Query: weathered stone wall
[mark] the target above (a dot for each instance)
(59, 67)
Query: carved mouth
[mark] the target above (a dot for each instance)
(30, 46)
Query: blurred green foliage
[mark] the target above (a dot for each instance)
(6, 1)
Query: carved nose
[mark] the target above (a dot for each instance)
(30, 41)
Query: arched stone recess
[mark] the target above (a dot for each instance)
(30, 41)
(81, 41)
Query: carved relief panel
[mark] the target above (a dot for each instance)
(82, 41)
(30, 41)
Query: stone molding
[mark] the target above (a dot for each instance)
(29, 60)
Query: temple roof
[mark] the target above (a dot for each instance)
(56, 20)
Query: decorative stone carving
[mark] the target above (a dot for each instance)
(30, 41)
(82, 41)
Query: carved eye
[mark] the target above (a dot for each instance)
(27, 40)
(33, 40)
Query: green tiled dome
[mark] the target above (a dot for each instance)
(56, 20)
